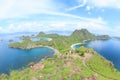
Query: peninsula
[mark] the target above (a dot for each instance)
(81, 64)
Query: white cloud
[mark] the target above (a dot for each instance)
(81, 4)
(33, 7)
(97, 20)
(35, 26)
(22, 27)
(88, 8)
(93, 27)
(103, 10)
(96, 4)
(105, 3)
(20, 8)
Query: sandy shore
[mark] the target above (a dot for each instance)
(83, 42)
(55, 50)
(72, 46)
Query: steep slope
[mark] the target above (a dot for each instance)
(83, 34)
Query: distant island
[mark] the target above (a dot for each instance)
(60, 42)
(117, 38)
(1, 40)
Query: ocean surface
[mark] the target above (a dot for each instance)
(14, 59)
(109, 49)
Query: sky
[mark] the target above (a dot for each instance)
(98, 16)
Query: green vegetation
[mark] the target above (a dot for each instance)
(103, 67)
(71, 66)
(59, 42)
(82, 34)
(81, 64)
(81, 50)
(26, 44)
(22, 45)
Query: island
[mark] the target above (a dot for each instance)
(26, 45)
(59, 42)
(1, 40)
(10, 40)
(78, 64)
(118, 38)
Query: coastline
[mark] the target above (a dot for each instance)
(27, 48)
(72, 46)
(38, 46)
(55, 50)
(84, 42)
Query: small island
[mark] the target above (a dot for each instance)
(1, 40)
(118, 38)
(26, 45)
(59, 42)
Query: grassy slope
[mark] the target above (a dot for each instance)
(64, 67)
(68, 67)
(61, 43)
(103, 67)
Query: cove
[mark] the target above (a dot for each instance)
(109, 49)
(14, 59)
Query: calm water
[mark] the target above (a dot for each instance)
(110, 49)
(12, 59)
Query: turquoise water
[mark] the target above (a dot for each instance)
(109, 49)
(12, 59)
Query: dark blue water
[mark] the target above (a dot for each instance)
(12, 59)
(110, 49)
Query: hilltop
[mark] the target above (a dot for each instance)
(81, 64)
(60, 42)
(69, 66)
(83, 34)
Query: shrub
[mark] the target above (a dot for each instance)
(81, 50)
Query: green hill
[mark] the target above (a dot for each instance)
(69, 66)
(60, 42)
(81, 35)
(82, 64)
